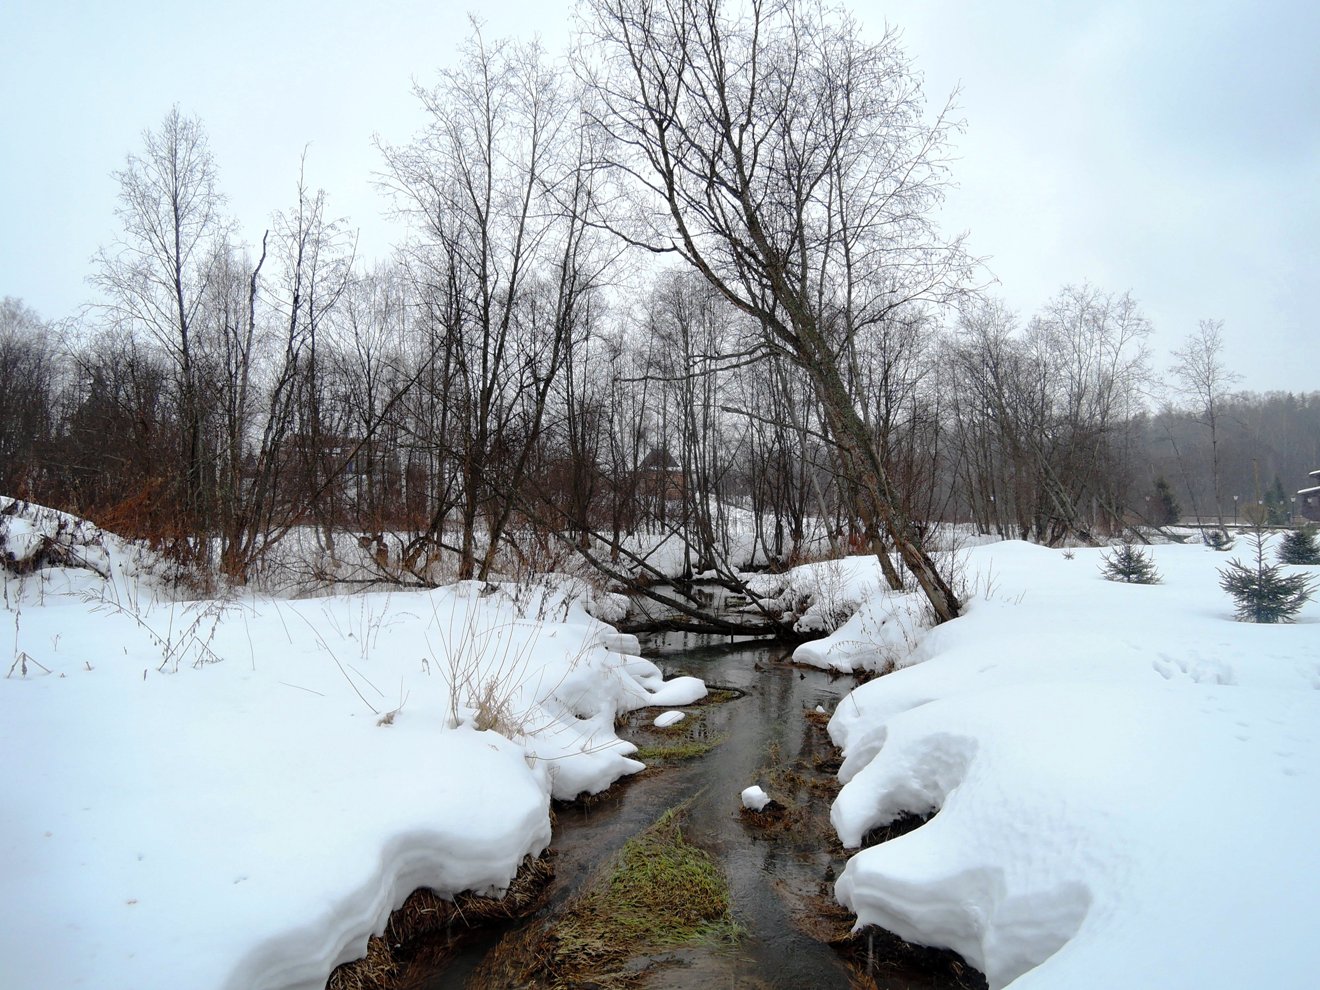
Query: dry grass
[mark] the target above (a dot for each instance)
(658, 891)
(818, 719)
(902, 825)
(425, 914)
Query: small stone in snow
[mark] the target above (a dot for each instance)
(754, 798)
(667, 719)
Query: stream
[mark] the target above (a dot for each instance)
(778, 876)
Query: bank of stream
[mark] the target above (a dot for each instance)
(760, 726)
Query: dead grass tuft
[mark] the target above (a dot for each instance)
(659, 891)
(819, 719)
(902, 825)
(426, 914)
(879, 958)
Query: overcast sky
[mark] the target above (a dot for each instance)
(1170, 149)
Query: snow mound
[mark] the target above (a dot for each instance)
(1119, 776)
(666, 719)
(880, 635)
(818, 597)
(45, 553)
(754, 798)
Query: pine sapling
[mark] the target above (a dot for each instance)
(1299, 547)
(1263, 593)
(1130, 565)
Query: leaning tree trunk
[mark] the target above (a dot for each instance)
(877, 498)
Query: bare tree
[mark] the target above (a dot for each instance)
(27, 394)
(1204, 378)
(228, 346)
(1047, 411)
(155, 277)
(315, 256)
(496, 193)
(689, 329)
(790, 163)
(116, 443)
(371, 334)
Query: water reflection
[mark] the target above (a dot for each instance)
(769, 877)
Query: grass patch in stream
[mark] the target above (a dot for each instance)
(677, 750)
(658, 892)
(685, 740)
(661, 890)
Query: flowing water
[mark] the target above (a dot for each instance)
(776, 876)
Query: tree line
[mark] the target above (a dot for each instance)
(688, 283)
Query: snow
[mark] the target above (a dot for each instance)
(754, 798)
(234, 794)
(666, 719)
(1121, 777)
(818, 597)
(880, 634)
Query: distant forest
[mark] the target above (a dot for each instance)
(1270, 444)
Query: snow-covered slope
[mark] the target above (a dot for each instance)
(1124, 780)
(235, 794)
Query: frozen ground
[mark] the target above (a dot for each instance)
(1124, 779)
(234, 794)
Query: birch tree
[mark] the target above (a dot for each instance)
(497, 198)
(155, 277)
(1204, 378)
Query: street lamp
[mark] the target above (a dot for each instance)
(1235, 498)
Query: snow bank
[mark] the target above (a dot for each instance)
(235, 794)
(47, 552)
(1123, 781)
(880, 635)
(819, 597)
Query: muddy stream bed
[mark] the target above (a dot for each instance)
(758, 727)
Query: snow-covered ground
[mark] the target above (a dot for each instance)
(234, 794)
(1124, 778)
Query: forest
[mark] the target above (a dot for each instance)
(688, 282)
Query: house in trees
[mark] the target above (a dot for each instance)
(661, 477)
(1308, 499)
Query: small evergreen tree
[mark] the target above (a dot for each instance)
(1276, 504)
(1263, 593)
(1167, 510)
(1299, 547)
(1130, 565)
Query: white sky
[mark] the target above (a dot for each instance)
(1165, 147)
